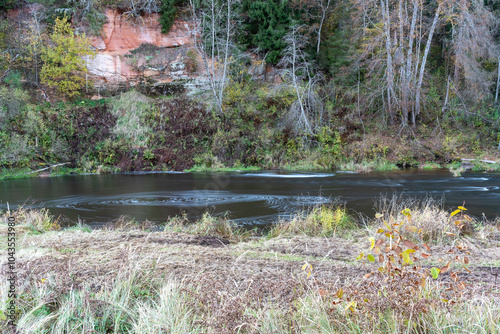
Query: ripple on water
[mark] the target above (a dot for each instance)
(287, 176)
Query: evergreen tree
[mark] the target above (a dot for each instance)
(6, 4)
(168, 12)
(267, 22)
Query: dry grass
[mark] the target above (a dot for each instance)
(125, 223)
(141, 302)
(208, 225)
(34, 220)
(429, 215)
(323, 220)
(126, 279)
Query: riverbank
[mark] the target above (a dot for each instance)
(132, 132)
(211, 277)
(457, 168)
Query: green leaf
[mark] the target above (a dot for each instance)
(370, 258)
(435, 272)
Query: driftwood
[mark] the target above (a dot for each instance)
(39, 170)
(485, 161)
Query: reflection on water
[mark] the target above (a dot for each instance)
(251, 198)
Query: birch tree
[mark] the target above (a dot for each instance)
(392, 35)
(214, 29)
(471, 44)
(306, 111)
(324, 6)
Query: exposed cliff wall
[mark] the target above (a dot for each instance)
(130, 52)
(115, 63)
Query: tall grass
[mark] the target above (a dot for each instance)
(428, 214)
(323, 220)
(208, 225)
(37, 220)
(136, 302)
(131, 303)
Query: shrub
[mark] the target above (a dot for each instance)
(437, 224)
(63, 63)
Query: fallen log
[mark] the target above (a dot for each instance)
(485, 161)
(50, 167)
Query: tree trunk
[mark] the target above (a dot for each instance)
(324, 10)
(422, 65)
(498, 81)
(388, 47)
(409, 72)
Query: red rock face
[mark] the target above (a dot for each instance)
(120, 36)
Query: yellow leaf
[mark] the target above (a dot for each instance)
(406, 257)
(455, 212)
(388, 227)
(351, 305)
(340, 293)
(406, 212)
(378, 215)
(360, 256)
(380, 230)
(462, 208)
(411, 229)
(304, 266)
(372, 241)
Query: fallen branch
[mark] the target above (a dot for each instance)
(39, 170)
(485, 161)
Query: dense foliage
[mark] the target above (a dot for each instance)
(63, 66)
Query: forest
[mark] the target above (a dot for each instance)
(357, 84)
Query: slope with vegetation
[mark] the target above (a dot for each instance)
(314, 84)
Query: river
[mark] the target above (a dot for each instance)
(250, 198)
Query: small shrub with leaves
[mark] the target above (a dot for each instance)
(402, 285)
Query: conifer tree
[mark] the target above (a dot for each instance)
(167, 11)
(267, 24)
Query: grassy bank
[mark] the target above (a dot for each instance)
(314, 273)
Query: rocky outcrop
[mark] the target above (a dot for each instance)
(114, 62)
(132, 52)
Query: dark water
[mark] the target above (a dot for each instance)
(251, 198)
